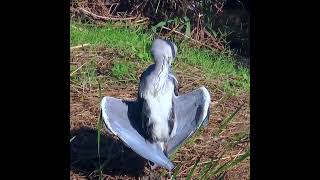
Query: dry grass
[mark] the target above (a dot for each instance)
(122, 162)
(191, 25)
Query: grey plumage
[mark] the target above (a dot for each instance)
(157, 87)
(122, 118)
(174, 79)
(157, 96)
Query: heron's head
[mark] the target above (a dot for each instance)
(163, 50)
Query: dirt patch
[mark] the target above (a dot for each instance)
(122, 162)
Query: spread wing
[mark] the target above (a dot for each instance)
(192, 111)
(122, 118)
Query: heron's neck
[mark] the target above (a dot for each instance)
(161, 73)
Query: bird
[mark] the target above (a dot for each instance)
(175, 117)
(157, 87)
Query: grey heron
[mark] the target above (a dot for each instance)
(156, 90)
(159, 121)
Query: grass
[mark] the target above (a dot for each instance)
(126, 39)
(123, 69)
(87, 74)
(225, 122)
(212, 168)
(137, 42)
(193, 168)
(99, 126)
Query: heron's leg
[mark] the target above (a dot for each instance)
(164, 147)
(161, 145)
(174, 129)
(165, 150)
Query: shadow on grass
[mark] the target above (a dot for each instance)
(118, 159)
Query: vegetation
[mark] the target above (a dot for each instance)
(216, 65)
(116, 54)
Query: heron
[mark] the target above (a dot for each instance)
(160, 120)
(156, 90)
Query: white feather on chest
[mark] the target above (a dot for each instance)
(160, 103)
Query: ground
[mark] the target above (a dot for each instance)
(220, 145)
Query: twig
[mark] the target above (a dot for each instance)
(224, 158)
(121, 80)
(173, 29)
(79, 68)
(219, 8)
(141, 20)
(79, 46)
(105, 18)
(114, 9)
(188, 37)
(238, 154)
(219, 101)
(216, 43)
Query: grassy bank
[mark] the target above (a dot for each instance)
(137, 42)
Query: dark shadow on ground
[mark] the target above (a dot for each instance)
(118, 159)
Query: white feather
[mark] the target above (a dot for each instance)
(160, 110)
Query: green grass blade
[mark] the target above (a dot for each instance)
(204, 169)
(98, 142)
(241, 135)
(99, 86)
(99, 133)
(176, 171)
(239, 138)
(236, 161)
(188, 26)
(228, 165)
(99, 123)
(213, 164)
(160, 24)
(193, 168)
(226, 121)
(208, 168)
(221, 176)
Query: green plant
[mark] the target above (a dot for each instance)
(212, 168)
(226, 121)
(137, 42)
(175, 173)
(84, 74)
(193, 168)
(123, 69)
(99, 126)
